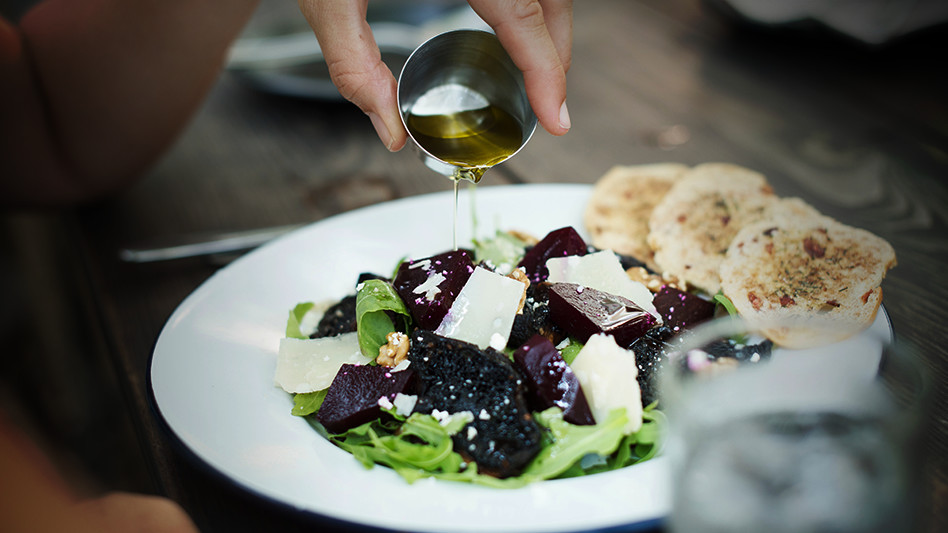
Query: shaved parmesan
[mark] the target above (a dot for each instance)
(601, 271)
(484, 311)
(307, 365)
(607, 374)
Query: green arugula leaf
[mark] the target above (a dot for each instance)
(307, 403)
(373, 302)
(571, 350)
(725, 302)
(501, 249)
(570, 443)
(296, 316)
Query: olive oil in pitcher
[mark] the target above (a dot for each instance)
(464, 104)
(472, 140)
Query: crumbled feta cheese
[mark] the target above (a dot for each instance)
(430, 287)
(385, 403)
(498, 342)
(424, 264)
(405, 403)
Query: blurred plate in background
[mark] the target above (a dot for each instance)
(278, 53)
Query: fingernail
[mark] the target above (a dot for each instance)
(382, 130)
(564, 116)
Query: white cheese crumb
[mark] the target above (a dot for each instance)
(430, 287)
(498, 342)
(424, 264)
(385, 403)
(405, 403)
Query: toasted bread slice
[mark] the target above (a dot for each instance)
(621, 203)
(691, 228)
(811, 269)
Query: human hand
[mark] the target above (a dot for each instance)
(121, 512)
(536, 33)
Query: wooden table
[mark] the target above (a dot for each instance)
(860, 133)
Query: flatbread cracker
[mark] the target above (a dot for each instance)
(801, 268)
(621, 203)
(691, 228)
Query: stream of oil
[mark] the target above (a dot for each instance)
(473, 141)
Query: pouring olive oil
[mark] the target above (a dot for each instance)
(460, 127)
(472, 140)
(464, 103)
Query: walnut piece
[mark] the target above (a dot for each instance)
(524, 236)
(654, 282)
(395, 351)
(521, 276)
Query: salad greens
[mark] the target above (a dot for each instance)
(374, 298)
(296, 317)
(420, 445)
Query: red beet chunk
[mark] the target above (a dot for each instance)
(429, 286)
(551, 382)
(584, 312)
(557, 243)
(681, 310)
(353, 396)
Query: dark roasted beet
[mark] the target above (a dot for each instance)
(535, 319)
(338, 319)
(557, 243)
(353, 397)
(457, 376)
(429, 286)
(681, 310)
(366, 276)
(551, 382)
(584, 312)
(651, 353)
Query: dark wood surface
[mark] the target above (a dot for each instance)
(860, 132)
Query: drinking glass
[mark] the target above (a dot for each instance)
(826, 439)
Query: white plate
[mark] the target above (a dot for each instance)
(212, 377)
(213, 364)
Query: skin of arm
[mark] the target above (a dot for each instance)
(34, 497)
(92, 92)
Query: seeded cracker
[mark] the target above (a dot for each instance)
(691, 228)
(805, 268)
(622, 200)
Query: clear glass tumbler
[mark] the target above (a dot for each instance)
(826, 439)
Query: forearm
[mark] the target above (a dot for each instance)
(102, 87)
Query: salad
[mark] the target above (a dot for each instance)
(514, 361)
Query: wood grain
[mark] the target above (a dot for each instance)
(860, 133)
